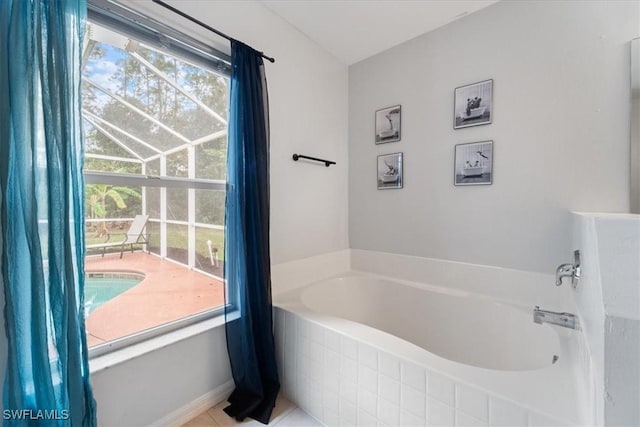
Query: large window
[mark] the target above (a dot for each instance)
(155, 125)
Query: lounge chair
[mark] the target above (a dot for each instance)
(134, 236)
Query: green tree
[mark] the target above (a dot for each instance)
(139, 86)
(97, 196)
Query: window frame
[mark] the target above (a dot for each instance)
(129, 22)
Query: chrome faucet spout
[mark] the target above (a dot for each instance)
(569, 270)
(564, 270)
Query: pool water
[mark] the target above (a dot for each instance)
(98, 290)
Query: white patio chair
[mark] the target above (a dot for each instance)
(134, 236)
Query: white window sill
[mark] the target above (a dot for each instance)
(116, 357)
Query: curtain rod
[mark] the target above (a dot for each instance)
(202, 24)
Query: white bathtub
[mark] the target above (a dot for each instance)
(365, 350)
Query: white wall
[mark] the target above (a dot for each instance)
(143, 390)
(308, 106)
(560, 130)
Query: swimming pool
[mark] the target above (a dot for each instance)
(102, 287)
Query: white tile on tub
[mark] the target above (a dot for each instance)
(302, 382)
(505, 414)
(473, 402)
(302, 365)
(414, 376)
(330, 418)
(540, 420)
(367, 356)
(278, 320)
(413, 401)
(439, 414)
(316, 333)
(332, 340)
(441, 388)
(291, 368)
(388, 413)
(407, 419)
(332, 360)
(278, 334)
(302, 396)
(367, 401)
(289, 376)
(304, 347)
(331, 377)
(389, 365)
(290, 335)
(290, 322)
(315, 372)
(291, 386)
(349, 391)
(389, 389)
(315, 351)
(366, 420)
(331, 401)
(349, 347)
(348, 369)
(314, 403)
(348, 414)
(303, 328)
(368, 379)
(464, 420)
(280, 361)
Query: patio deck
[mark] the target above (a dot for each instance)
(168, 292)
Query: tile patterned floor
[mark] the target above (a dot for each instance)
(285, 414)
(168, 292)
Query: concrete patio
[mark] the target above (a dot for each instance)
(168, 292)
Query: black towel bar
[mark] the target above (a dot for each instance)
(327, 163)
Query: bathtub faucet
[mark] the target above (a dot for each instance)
(564, 270)
(566, 320)
(569, 270)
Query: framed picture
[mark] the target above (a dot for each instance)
(390, 171)
(473, 104)
(388, 124)
(474, 163)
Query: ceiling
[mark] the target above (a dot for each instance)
(353, 30)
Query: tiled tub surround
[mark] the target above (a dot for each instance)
(344, 372)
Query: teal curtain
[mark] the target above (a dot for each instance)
(249, 326)
(42, 213)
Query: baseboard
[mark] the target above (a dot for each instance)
(196, 407)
